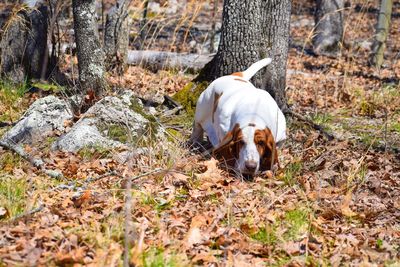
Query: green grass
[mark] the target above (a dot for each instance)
(291, 171)
(322, 119)
(47, 87)
(118, 133)
(266, 235)
(13, 194)
(92, 152)
(157, 204)
(10, 97)
(157, 257)
(297, 223)
(395, 127)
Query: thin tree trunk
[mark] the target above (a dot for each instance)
(329, 19)
(252, 30)
(382, 29)
(89, 51)
(116, 36)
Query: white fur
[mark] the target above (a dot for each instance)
(242, 103)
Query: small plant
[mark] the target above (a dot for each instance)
(92, 152)
(118, 133)
(321, 118)
(379, 243)
(266, 235)
(10, 98)
(291, 171)
(8, 161)
(156, 257)
(13, 194)
(297, 222)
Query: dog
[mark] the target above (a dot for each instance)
(243, 123)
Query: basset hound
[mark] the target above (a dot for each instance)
(243, 123)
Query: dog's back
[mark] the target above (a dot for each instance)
(232, 98)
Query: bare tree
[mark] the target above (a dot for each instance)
(328, 27)
(382, 29)
(89, 51)
(251, 30)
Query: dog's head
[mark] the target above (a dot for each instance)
(248, 149)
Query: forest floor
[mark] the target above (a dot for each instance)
(334, 202)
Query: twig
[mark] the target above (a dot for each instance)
(310, 123)
(330, 136)
(73, 184)
(38, 162)
(26, 214)
(148, 173)
(171, 112)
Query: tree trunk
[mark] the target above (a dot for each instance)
(89, 51)
(276, 31)
(382, 29)
(23, 44)
(116, 36)
(252, 30)
(329, 19)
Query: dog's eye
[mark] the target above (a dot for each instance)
(241, 142)
(260, 143)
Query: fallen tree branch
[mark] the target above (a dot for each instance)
(36, 162)
(156, 60)
(311, 123)
(26, 214)
(331, 136)
(73, 184)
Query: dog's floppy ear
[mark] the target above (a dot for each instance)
(270, 156)
(226, 149)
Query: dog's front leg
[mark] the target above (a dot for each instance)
(197, 133)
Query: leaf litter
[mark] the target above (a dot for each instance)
(332, 203)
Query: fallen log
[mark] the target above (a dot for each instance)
(156, 60)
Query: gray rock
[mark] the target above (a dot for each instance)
(43, 118)
(112, 122)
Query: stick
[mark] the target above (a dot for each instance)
(310, 123)
(26, 214)
(38, 162)
(330, 136)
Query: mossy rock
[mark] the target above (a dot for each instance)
(188, 96)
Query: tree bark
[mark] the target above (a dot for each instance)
(252, 30)
(23, 44)
(382, 29)
(89, 51)
(276, 31)
(329, 19)
(116, 36)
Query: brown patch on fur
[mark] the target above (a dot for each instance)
(231, 145)
(216, 100)
(266, 147)
(240, 80)
(239, 74)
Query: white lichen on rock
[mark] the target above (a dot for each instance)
(43, 118)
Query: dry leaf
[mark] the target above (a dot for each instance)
(345, 206)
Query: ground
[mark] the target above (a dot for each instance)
(333, 202)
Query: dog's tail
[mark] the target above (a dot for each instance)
(253, 69)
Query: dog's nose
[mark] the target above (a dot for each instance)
(251, 165)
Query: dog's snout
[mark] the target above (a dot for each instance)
(251, 165)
